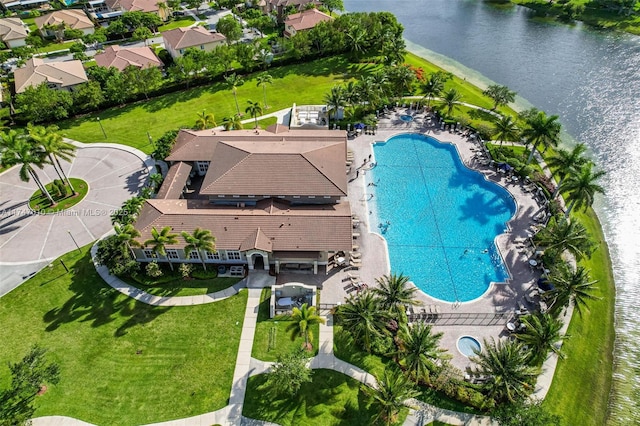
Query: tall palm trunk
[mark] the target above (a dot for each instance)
(170, 262)
(202, 260)
(557, 190)
(235, 96)
(566, 214)
(61, 175)
(43, 188)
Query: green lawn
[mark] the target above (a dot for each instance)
(182, 22)
(304, 84)
(40, 202)
(582, 382)
(331, 399)
(52, 46)
(122, 362)
(178, 286)
(275, 330)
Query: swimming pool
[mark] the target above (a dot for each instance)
(439, 218)
(467, 346)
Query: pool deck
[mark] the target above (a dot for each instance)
(500, 298)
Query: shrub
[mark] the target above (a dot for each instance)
(186, 269)
(164, 145)
(153, 270)
(201, 274)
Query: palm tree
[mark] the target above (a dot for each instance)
(419, 350)
(566, 163)
(205, 121)
(362, 317)
(160, 240)
(505, 129)
(201, 240)
(356, 38)
(254, 109)
(505, 364)
(560, 235)
(500, 95)
(541, 129)
(394, 293)
(17, 150)
(541, 334)
(401, 78)
(234, 122)
(233, 82)
(335, 99)
(54, 146)
(262, 80)
(581, 187)
(127, 235)
(391, 393)
(450, 100)
(303, 318)
(570, 287)
(432, 88)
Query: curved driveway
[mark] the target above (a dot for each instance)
(29, 241)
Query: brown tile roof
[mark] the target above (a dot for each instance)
(306, 20)
(12, 29)
(175, 181)
(303, 228)
(122, 57)
(75, 19)
(134, 5)
(36, 71)
(243, 162)
(183, 38)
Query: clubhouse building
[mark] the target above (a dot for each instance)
(271, 198)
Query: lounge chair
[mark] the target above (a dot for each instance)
(355, 255)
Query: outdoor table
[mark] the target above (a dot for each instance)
(511, 326)
(533, 262)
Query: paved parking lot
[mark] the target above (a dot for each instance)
(29, 240)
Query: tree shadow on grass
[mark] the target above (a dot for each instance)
(96, 302)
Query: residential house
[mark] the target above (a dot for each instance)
(58, 75)
(23, 4)
(178, 40)
(123, 57)
(303, 21)
(73, 19)
(150, 6)
(278, 7)
(271, 198)
(13, 32)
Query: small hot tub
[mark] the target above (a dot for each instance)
(467, 344)
(406, 118)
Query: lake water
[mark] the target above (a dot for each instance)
(591, 80)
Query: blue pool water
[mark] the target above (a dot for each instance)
(467, 344)
(439, 218)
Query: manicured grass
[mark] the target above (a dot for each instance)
(122, 362)
(182, 22)
(304, 84)
(330, 399)
(178, 286)
(39, 202)
(276, 327)
(582, 382)
(52, 46)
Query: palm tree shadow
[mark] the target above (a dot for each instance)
(95, 302)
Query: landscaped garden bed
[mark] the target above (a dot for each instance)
(62, 195)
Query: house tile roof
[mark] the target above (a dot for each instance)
(183, 38)
(12, 29)
(75, 19)
(36, 71)
(121, 57)
(175, 181)
(305, 228)
(134, 5)
(242, 162)
(306, 20)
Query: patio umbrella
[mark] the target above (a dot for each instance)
(358, 126)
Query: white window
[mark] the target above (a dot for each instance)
(220, 196)
(202, 47)
(280, 196)
(172, 254)
(212, 256)
(312, 196)
(233, 255)
(296, 196)
(235, 196)
(194, 255)
(150, 254)
(182, 51)
(327, 196)
(251, 196)
(203, 166)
